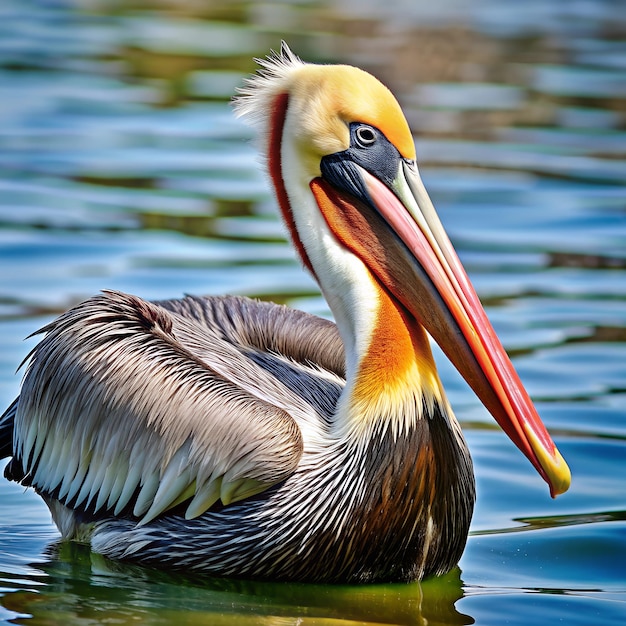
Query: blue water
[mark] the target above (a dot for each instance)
(121, 166)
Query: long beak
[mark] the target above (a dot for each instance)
(446, 304)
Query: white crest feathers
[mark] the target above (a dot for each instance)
(253, 100)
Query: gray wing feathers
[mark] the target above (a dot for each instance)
(268, 328)
(119, 409)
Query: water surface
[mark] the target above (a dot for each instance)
(122, 167)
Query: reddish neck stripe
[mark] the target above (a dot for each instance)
(277, 124)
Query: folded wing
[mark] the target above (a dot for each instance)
(121, 413)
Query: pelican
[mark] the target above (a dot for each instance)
(241, 438)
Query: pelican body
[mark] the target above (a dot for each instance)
(242, 438)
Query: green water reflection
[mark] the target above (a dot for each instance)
(83, 586)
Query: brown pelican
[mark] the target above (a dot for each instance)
(242, 438)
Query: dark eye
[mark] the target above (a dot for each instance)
(365, 136)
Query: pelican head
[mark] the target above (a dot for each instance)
(342, 160)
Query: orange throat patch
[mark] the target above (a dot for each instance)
(398, 367)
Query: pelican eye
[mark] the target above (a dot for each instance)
(365, 136)
(369, 150)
